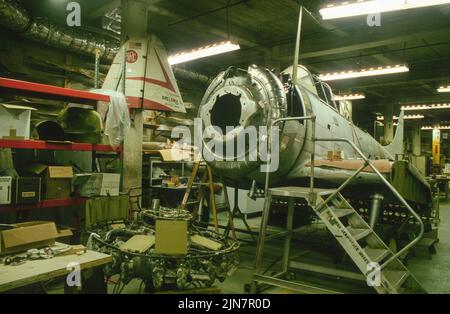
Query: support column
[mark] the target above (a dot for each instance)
(388, 124)
(134, 24)
(416, 139)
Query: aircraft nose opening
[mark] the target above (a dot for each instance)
(226, 112)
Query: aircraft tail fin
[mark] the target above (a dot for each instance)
(396, 147)
(149, 79)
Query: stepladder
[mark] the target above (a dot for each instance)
(206, 187)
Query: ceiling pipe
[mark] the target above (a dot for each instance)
(14, 17)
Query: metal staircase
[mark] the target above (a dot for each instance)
(364, 246)
(370, 254)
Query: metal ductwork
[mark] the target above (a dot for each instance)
(182, 73)
(14, 17)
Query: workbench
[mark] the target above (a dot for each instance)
(35, 271)
(442, 181)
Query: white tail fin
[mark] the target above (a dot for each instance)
(150, 82)
(396, 147)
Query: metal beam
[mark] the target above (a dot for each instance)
(208, 24)
(361, 42)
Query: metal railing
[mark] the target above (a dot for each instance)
(366, 163)
(313, 149)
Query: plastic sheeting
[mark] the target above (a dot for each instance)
(115, 116)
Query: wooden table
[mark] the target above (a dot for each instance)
(32, 272)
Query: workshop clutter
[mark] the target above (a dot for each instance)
(5, 190)
(21, 237)
(15, 122)
(22, 190)
(116, 116)
(97, 184)
(335, 155)
(44, 182)
(26, 190)
(81, 124)
(56, 180)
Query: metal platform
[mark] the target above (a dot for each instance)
(299, 192)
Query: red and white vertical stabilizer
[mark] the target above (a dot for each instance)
(150, 83)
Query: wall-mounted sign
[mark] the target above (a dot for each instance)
(436, 147)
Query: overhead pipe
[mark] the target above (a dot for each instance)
(14, 17)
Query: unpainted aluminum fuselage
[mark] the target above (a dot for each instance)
(256, 97)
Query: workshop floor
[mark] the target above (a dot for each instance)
(434, 273)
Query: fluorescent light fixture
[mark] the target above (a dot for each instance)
(356, 8)
(395, 124)
(203, 52)
(348, 97)
(364, 72)
(444, 89)
(406, 117)
(426, 107)
(445, 127)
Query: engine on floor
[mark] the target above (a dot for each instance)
(210, 256)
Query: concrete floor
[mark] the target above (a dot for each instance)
(432, 271)
(433, 274)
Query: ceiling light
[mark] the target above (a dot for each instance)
(444, 89)
(349, 97)
(445, 127)
(203, 52)
(406, 117)
(426, 107)
(364, 72)
(359, 7)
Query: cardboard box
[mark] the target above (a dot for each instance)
(98, 184)
(139, 243)
(338, 155)
(26, 190)
(56, 180)
(15, 122)
(171, 237)
(335, 155)
(330, 155)
(174, 154)
(5, 190)
(28, 235)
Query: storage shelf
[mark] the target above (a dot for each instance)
(43, 145)
(44, 204)
(50, 92)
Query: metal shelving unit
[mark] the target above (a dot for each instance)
(73, 201)
(43, 145)
(43, 91)
(49, 92)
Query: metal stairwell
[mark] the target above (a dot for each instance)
(353, 233)
(364, 246)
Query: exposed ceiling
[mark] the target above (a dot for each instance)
(266, 30)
